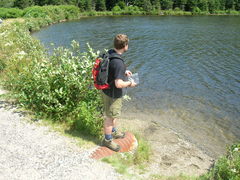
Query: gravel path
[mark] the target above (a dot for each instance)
(29, 151)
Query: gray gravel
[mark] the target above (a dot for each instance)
(29, 151)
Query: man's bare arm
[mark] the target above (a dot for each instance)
(119, 83)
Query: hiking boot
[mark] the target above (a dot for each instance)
(111, 145)
(118, 135)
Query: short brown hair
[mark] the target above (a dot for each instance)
(120, 41)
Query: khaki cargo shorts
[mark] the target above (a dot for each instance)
(112, 106)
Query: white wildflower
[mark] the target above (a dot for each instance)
(3, 34)
(22, 53)
(126, 97)
(9, 44)
(234, 170)
(235, 150)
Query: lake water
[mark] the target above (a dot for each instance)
(189, 70)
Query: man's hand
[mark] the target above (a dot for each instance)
(133, 84)
(128, 73)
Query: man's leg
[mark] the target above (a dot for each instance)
(108, 125)
(115, 133)
(108, 138)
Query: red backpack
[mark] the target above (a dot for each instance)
(100, 72)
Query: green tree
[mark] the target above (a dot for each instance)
(203, 5)
(179, 4)
(213, 5)
(40, 2)
(57, 2)
(111, 3)
(81, 4)
(72, 2)
(191, 4)
(7, 3)
(49, 2)
(230, 4)
(100, 5)
(222, 4)
(88, 5)
(156, 4)
(237, 5)
(23, 3)
(121, 4)
(166, 4)
(147, 6)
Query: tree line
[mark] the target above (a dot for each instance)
(146, 5)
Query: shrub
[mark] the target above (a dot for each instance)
(58, 87)
(121, 4)
(196, 10)
(177, 9)
(10, 13)
(17, 50)
(71, 12)
(61, 89)
(56, 13)
(35, 12)
(116, 9)
(219, 12)
(232, 12)
(35, 24)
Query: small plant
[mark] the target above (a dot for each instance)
(227, 167)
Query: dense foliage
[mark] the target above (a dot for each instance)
(146, 5)
(51, 13)
(57, 87)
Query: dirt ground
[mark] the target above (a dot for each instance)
(171, 154)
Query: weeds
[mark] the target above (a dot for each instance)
(227, 167)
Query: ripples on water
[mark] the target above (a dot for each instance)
(189, 70)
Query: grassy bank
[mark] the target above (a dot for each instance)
(59, 87)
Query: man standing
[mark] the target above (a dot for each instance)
(112, 97)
